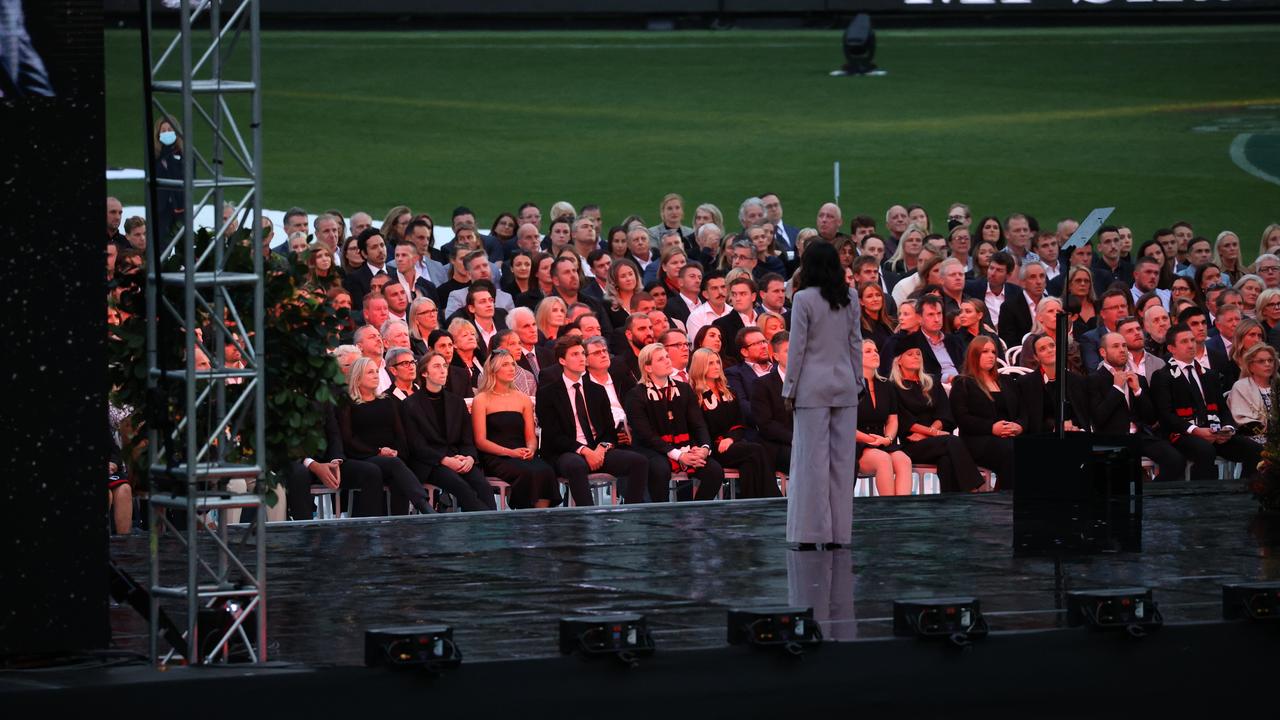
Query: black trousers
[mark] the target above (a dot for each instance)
(1202, 454)
(956, 469)
(780, 453)
(1171, 464)
(710, 477)
(629, 467)
(993, 453)
(471, 490)
(402, 484)
(755, 469)
(530, 480)
(357, 475)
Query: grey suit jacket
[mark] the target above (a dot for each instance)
(824, 359)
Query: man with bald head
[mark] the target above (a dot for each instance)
(896, 221)
(115, 213)
(1120, 405)
(360, 222)
(829, 221)
(528, 238)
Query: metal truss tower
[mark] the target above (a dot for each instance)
(201, 80)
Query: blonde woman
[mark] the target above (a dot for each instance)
(372, 431)
(727, 429)
(1250, 400)
(879, 454)
(903, 261)
(424, 319)
(467, 353)
(550, 316)
(502, 421)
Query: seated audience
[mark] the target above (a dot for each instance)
(502, 420)
(727, 429)
(879, 453)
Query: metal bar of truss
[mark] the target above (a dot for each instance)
(201, 418)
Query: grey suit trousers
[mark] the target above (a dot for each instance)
(823, 465)
(824, 582)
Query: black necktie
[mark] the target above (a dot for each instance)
(580, 405)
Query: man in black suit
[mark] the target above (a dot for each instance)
(600, 262)
(333, 470)
(359, 281)
(578, 432)
(1121, 405)
(603, 370)
(995, 289)
(566, 279)
(1192, 413)
(638, 331)
(943, 353)
(1219, 343)
(437, 428)
(754, 363)
(784, 235)
(667, 427)
(534, 357)
(1108, 265)
(867, 269)
(681, 303)
(773, 420)
(1016, 314)
(742, 313)
(773, 297)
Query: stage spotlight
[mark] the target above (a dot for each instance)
(859, 43)
(426, 647)
(1257, 601)
(624, 637)
(790, 629)
(1129, 609)
(957, 619)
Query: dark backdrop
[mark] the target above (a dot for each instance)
(53, 414)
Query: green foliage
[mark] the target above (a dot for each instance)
(299, 328)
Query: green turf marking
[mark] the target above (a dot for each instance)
(1258, 155)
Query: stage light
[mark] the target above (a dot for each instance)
(624, 637)
(426, 647)
(787, 628)
(859, 44)
(959, 620)
(1257, 601)
(1129, 609)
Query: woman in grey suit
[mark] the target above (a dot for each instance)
(824, 377)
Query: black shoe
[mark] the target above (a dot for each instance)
(804, 546)
(832, 546)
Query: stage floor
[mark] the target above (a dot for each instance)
(502, 579)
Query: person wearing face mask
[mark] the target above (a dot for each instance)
(167, 149)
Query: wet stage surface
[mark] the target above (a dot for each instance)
(503, 579)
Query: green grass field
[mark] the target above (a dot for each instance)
(1050, 121)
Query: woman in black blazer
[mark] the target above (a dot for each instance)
(925, 421)
(437, 429)
(985, 404)
(720, 410)
(372, 431)
(877, 324)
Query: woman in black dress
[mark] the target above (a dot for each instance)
(878, 451)
(924, 414)
(502, 419)
(372, 431)
(756, 478)
(985, 404)
(877, 324)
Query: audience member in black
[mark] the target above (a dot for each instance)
(638, 331)
(742, 313)
(879, 453)
(985, 405)
(1121, 406)
(517, 275)
(372, 431)
(579, 433)
(502, 418)
(1038, 393)
(774, 422)
(373, 250)
(667, 426)
(1189, 403)
(925, 422)
(1108, 265)
(877, 324)
(1079, 300)
(603, 371)
(970, 323)
(728, 431)
(468, 354)
(1198, 320)
(442, 451)
(753, 363)
(458, 276)
(459, 382)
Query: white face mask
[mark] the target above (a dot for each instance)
(168, 137)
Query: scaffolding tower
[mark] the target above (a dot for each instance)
(203, 78)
